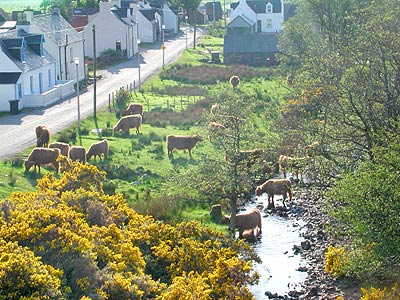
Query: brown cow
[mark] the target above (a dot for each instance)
(247, 221)
(181, 142)
(275, 187)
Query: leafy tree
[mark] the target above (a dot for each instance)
(349, 51)
(365, 203)
(64, 5)
(227, 173)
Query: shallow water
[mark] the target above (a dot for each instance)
(278, 270)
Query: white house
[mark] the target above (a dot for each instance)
(148, 23)
(111, 31)
(268, 15)
(167, 17)
(28, 72)
(63, 42)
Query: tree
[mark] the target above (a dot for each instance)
(228, 173)
(64, 5)
(350, 52)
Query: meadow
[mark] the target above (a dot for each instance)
(176, 101)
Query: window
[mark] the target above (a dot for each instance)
(71, 54)
(19, 87)
(269, 22)
(31, 84)
(118, 45)
(40, 83)
(49, 77)
(269, 8)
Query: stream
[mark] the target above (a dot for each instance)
(278, 271)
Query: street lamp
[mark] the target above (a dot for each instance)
(138, 60)
(76, 61)
(163, 46)
(186, 20)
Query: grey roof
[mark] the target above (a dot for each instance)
(259, 6)
(32, 59)
(9, 77)
(149, 13)
(56, 29)
(251, 43)
(240, 19)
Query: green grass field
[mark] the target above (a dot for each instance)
(10, 6)
(138, 163)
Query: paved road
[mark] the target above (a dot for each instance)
(17, 132)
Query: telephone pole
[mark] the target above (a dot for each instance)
(94, 71)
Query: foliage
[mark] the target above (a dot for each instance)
(365, 203)
(64, 5)
(336, 259)
(380, 294)
(208, 74)
(122, 99)
(343, 58)
(69, 240)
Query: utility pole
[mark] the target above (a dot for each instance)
(194, 29)
(94, 71)
(214, 13)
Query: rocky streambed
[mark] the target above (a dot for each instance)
(304, 230)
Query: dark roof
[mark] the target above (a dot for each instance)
(251, 43)
(34, 39)
(218, 9)
(85, 11)
(13, 43)
(126, 3)
(56, 29)
(32, 59)
(78, 22)
(290, 10)
(259, 6)
(9, 78)
(149, 13)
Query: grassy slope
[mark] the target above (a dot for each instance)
(144, 154)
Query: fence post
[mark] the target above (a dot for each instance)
(167, 104)
(109, 102)
(174, 104)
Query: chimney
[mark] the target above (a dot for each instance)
(55, 10)
(28, 15)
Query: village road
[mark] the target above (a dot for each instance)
(17, 132)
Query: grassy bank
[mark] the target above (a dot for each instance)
(175, 102)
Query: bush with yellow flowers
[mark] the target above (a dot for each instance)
(69, 240)
(336, 258)
(380, 294)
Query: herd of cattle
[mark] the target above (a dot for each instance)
(46, 153)
(248, 224)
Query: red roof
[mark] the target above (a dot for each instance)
(78, 22)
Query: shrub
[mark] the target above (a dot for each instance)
(336, 258)
(380, 294)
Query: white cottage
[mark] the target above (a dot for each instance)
(63, 42)
(28, 72)
(268, 15)
(111, 31)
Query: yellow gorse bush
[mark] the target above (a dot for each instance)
(68, 240)
(380, 294)
(336, 258)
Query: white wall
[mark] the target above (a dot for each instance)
(170, 19)
(243, 9)
(146, 32)
(8, 92)
(109, 30)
